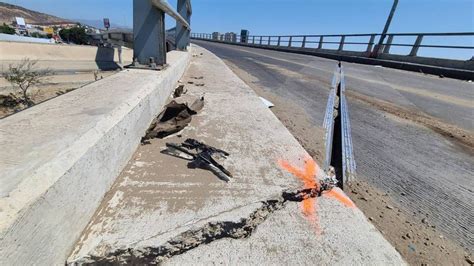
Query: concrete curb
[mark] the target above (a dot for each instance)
(414, 67)
(61, 161)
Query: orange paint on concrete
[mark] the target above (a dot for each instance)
(340, 196)
(308, 176)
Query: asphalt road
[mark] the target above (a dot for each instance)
(401, 122)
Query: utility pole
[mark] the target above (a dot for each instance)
(385, 30)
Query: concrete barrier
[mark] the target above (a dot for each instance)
(59, 158)
(63, 57)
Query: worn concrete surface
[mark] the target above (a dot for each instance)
(158, 208)
(420, 165)
(59, 158)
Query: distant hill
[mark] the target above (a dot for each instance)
(8, 12)
(99, 24)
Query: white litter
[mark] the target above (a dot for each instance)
(267, 102)
(378, 66)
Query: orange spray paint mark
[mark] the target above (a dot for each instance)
(340, 196)
(308, 176)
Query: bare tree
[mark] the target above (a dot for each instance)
(24, 75)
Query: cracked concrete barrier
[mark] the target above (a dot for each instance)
(60, 157)
(161, 211)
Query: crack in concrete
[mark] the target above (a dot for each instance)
(210, 232)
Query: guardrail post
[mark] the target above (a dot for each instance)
(416, 46)
(290, 41)
(149, 34)
(253, 39)
(269, 40)
(371, 43)
(182, 33)
(341, 44)
(304, 42)
(321, 40)
(261, 37)
(279, 40)
(388, 45)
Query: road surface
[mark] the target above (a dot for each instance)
(412, 133)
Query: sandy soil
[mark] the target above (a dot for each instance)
(419, 242)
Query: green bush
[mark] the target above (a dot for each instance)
(7, 29)
(75, 35)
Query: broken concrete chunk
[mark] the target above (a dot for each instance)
(179, 91)
(173, 119)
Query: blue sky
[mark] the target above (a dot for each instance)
(290, 16)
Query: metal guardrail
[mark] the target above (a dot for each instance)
(342, 40)
(338, 150)
(149, 48)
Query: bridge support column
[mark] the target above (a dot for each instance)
(321, 41)
(388, 45)
(416, 46)
(341, 44)
(182, 33)
(149, 47)
(371, 44)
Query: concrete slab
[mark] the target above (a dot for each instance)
(62, 156)
(158, 210)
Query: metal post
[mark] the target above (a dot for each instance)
(388, 45)
(304, 42)
(261, 40)
(279, 40)
(341, 44)
(321, 40)
(290, 41)
(269, 40)
(416, 46)
(387, 26)
(182, 33)
(149, 34)
(253, 39)
(371, 43)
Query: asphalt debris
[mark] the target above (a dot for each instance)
(174, 118)
(200, 156)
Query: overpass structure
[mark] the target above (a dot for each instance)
(364, 51)
(79, 190)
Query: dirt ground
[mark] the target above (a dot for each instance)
(419, 242)
(52, 87)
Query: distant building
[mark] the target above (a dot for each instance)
(230, 37)
(59, 24)
(244, 36)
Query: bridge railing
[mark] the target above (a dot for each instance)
(149, 32)
(364, 44)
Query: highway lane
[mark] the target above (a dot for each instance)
(412, 133)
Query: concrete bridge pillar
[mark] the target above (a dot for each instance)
(148, 34)
(182, 33)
